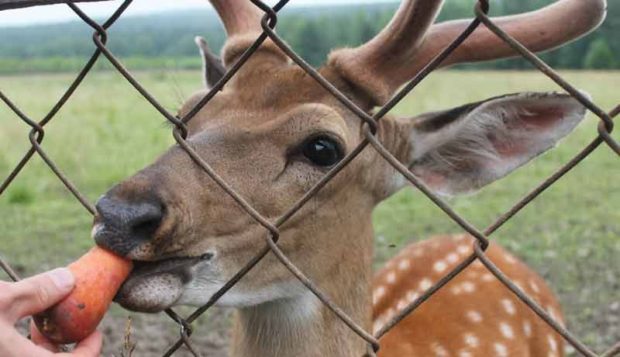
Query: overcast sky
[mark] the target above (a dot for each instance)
(60, 13)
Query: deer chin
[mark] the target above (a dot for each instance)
(156, 285)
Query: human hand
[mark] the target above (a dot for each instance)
(28, 297)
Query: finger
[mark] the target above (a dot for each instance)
(38, 339)
(90, 346)
(37, 293)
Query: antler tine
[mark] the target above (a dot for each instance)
(406, 29)
(238, 16)
(392, 48)
(541, 30)
(242, 21)
(379, 67)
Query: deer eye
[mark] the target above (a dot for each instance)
(322, 151)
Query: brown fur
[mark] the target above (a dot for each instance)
(444, 321)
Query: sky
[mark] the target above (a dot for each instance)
(62, 13)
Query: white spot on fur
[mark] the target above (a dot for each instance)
(412, 295)
(553, 314)
(465, 354)
(463, 249)
(500, 350)
(404, 264)
(452, 258)
(390, 314)
(527, 328)
(474, 316)
(506, 330)
(439, 266)
(471, 340)
(534, 286)
(468, 287)
(390, 278)
(456, 290)
(378, 294)
(509, 307)
(488, 277)
(553, 344)
(401, 304)
(425, 284)
(439, 350)
(519, 285)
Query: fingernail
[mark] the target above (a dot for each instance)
(63, 278)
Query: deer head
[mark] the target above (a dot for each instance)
(273, 132)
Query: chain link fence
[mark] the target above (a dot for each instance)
(603, 141)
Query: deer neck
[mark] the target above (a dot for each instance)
(302, 325)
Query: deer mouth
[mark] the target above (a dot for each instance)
(154, 286)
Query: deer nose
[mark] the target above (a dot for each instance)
(121, 225)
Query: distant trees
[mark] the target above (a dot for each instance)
(309, 36)
(167, 39)
(600, 56)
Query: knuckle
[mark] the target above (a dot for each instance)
(40, 295)
(7, 295)
(30, 293)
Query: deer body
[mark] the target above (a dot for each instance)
(473, 315)
(273, 132)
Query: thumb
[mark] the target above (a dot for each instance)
(90, 346)
(37, 293)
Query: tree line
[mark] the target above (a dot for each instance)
(166, 40)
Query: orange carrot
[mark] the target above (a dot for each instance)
(98, 276)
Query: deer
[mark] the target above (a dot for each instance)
(272, 132)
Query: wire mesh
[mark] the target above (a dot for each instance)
(369, 122)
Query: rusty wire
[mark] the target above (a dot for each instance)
(369, 123)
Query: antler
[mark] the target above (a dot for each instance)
(242, 21)
(540, 30)
(238, 16)
(397, 53)
(401, 36)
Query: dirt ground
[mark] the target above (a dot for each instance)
(152, 334)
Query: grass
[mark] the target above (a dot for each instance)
(570, 234)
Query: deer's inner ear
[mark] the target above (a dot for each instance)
(463, 149)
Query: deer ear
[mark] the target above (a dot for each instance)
(212, 68)
(460, 150)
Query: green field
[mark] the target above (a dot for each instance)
(570, 234)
